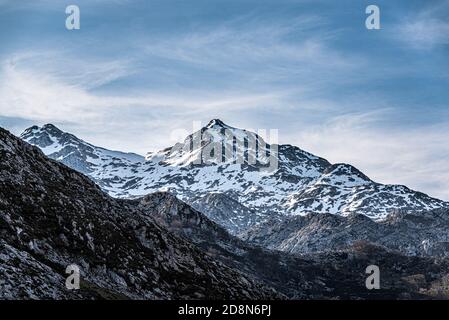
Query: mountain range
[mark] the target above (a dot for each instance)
(159, 247)
(237, 195)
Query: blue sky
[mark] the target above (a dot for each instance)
(137, 71)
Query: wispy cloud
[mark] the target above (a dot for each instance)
(251, 50)
(86, 72)
(425, 33)
(427, 28)
(48, 95)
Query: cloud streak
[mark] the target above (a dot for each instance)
(298, 48)
(426, 29)
(46, 95)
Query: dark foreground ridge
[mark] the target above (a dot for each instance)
(51, 217)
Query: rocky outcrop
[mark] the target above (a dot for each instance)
(337, 274)
(422, 233)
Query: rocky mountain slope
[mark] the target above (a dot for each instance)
(213, 171)
(52, 216)
(329, 275)
(420, 233)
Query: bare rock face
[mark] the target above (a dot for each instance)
(423, 233)
(51, 217)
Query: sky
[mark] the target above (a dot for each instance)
(136, 72)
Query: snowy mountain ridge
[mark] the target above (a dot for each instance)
(74, 152)
(230, 185)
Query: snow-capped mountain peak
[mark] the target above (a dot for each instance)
(215, 144)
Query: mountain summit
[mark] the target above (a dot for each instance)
(217, 123)
(217, 144)
(214, 170)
